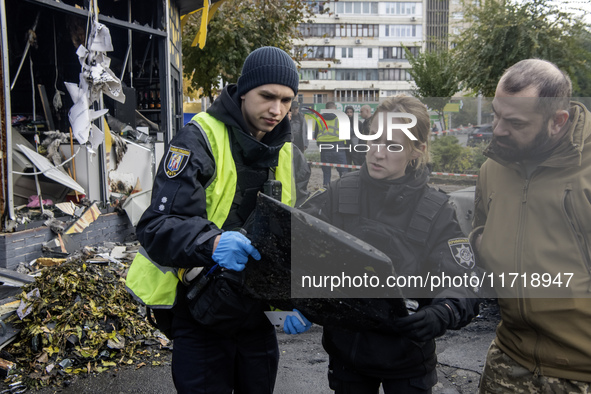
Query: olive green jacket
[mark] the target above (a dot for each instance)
(537, 231)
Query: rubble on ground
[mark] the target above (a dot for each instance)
(78, 318)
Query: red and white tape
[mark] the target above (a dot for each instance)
(317, 163)
(450, 174)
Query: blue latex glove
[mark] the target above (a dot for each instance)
(293, 325)
(233, 250)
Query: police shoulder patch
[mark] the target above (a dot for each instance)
(176, 161)
(461, 250)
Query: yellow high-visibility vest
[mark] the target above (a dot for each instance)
(155, 285)
(330, 135)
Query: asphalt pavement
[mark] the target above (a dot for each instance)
(304, 363)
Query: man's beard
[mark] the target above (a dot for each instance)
(512, 154)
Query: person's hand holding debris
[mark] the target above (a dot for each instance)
(293, 325)
(231, 251)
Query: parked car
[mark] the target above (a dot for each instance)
(480, 133)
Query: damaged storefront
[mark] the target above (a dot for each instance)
(91, 96)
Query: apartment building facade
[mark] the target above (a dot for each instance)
(354, 52)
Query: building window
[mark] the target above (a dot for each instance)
(314, 52)
(357, 30)
(308, 74)
(346, 52)
(325, 74)
(403, 31)
(316, 6)
(394, 74)
(317, 29)
(357, 7)
(369, 53)
(354, 95)
(398, 52)
(400, 8)
(356, 75)
(320, 98)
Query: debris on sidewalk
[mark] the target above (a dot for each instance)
(78, 319)
(89, 216)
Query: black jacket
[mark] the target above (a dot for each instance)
(299, 131)
(385, 210)
(175, 230)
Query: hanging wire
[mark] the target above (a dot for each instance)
(92, 14)
(36, 135)
(54, 53)
(27, 46)
(87, 25)
(33, 99)
(57, 98)
(49, 169)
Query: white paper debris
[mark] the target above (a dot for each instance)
(23, 310)
(95, 78)
(101, 38)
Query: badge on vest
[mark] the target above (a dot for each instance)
(461, 250)
(176, 161)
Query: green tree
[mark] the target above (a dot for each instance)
(582, 77)
(502, 32)
(237, 28)
(436, 80)
(447, 155)
(469, 111)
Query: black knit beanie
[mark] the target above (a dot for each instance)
(268, 65)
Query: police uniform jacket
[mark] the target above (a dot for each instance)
(383, 214)
(175, 230)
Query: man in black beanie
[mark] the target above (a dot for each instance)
(204, 191)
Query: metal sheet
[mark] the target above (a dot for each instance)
(137, 161)
(49, 170)
(293, 243)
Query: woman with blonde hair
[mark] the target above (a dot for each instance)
(389, 205)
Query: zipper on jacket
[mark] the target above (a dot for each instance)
(520, 235)
(576, 228)
(519, 268)
(525, 186)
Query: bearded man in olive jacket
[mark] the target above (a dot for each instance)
(532, 229)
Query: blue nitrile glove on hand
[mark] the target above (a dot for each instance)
(293, 325)
(428, 323)
(233, 250)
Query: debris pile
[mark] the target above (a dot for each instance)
(77, 318)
